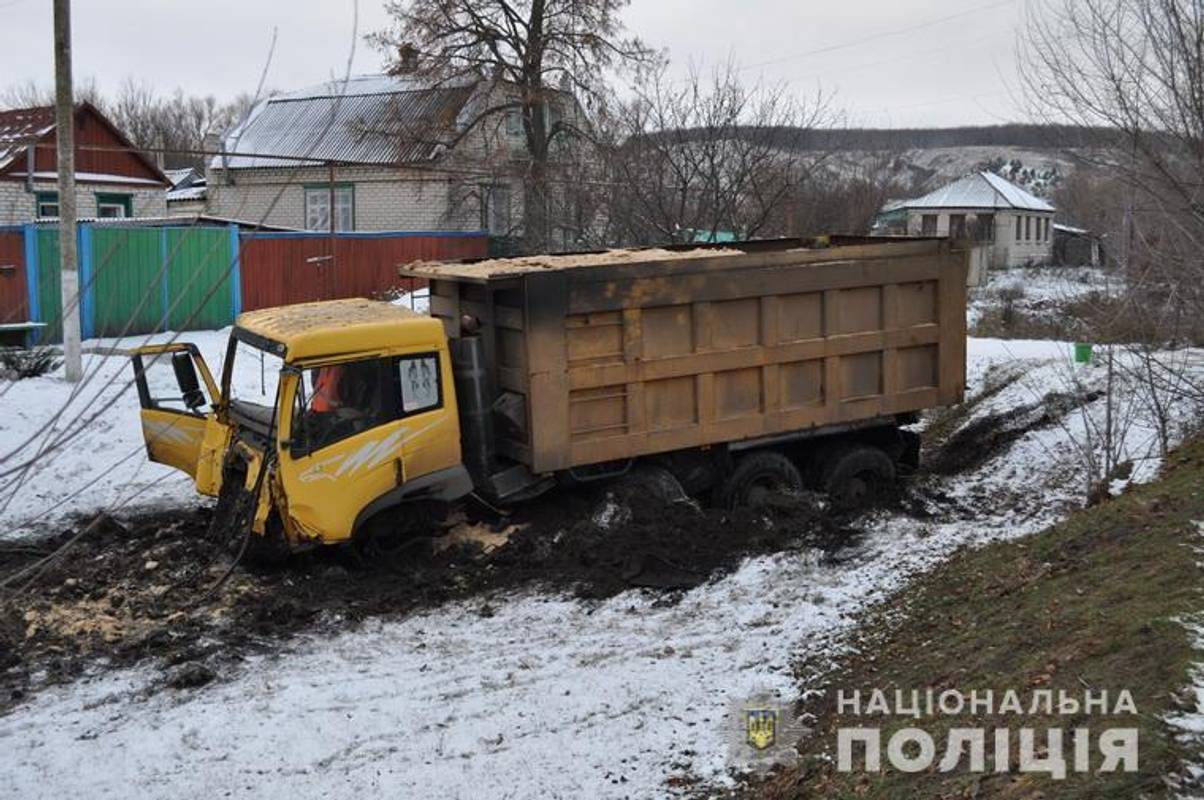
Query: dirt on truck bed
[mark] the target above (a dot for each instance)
(143, 589)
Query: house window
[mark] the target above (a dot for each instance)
(1019, 222)
(553, 114)
(47, 205)
(514, 123)
(928, 225)
(317, 207)
(496, 209)
(1028, 228)
(1047, 229)
(114, 206)
(957, 226)
(984, 228)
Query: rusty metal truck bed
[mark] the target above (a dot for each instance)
(616, 355)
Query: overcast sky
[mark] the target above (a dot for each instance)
(890, 63)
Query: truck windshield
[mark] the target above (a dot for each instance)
(254, 376)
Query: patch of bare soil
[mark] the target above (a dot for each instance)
(142, 590)
(982, 439)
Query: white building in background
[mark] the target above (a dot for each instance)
(983, 207)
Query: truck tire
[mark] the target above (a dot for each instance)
(855, 475)
(396, 537)
(757, 476)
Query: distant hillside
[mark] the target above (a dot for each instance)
(918, 170)
(1038, 137)
(914, 161)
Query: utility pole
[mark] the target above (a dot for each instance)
(64, 117)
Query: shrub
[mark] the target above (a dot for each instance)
(17, 363)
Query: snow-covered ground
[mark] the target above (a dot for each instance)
(1189, 724)
(548, 696)
(86, 444)
(1038, 290)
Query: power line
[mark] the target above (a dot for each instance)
(877, 36)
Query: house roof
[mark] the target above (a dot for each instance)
(179, 176)
(368, 119)
(22, 127)
(980, 190)
(196, 191)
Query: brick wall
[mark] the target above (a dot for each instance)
(386, 199)
(17, 205)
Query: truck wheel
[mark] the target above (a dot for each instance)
(757, 477)
(855, 475)
(396, 537)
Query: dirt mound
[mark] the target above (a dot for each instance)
(982, 439)
(143, 590)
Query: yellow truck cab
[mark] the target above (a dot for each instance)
(363, 417)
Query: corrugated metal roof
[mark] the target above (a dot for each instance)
(178, 176)
(980, 190)
(194, 192)
(21, 127)
(370, 119)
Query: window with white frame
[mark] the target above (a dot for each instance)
(114, 206)
(317, 207)
(48, 205)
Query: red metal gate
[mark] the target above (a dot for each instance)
(283, 268)
(14, 294)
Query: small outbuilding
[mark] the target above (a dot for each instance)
(1076, 247)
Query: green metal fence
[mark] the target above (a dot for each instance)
(137, 279)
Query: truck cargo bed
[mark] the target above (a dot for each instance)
(609, 356)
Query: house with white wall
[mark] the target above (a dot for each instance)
(1015, 225)
(379, 153)
(113, 179)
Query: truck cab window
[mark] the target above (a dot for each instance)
(420, 390)
(342, 400)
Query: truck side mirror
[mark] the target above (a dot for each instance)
(190, 386)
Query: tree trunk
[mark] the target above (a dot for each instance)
(535, 208)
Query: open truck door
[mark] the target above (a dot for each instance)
(179, 400)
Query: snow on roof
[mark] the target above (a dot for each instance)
(1070, 229)
(980, 190)
(92, 177)
(21, 127)
(178, 176)
(368, 119)
(194, 192)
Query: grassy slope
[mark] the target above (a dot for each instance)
(1089, 603)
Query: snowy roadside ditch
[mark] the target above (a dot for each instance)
(546, 695)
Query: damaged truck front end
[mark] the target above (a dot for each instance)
(334, 421)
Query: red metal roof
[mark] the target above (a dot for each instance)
(21, 127)
(101, 149)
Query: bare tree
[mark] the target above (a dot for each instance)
(174, 126)
(540, 47)
(1135, 68)
(706, 155)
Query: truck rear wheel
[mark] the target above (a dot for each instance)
(757, 477)
(855, 475)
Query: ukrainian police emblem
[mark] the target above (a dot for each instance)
(761, 727)
(762, 731)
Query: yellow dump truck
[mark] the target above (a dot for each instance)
(738, 369)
